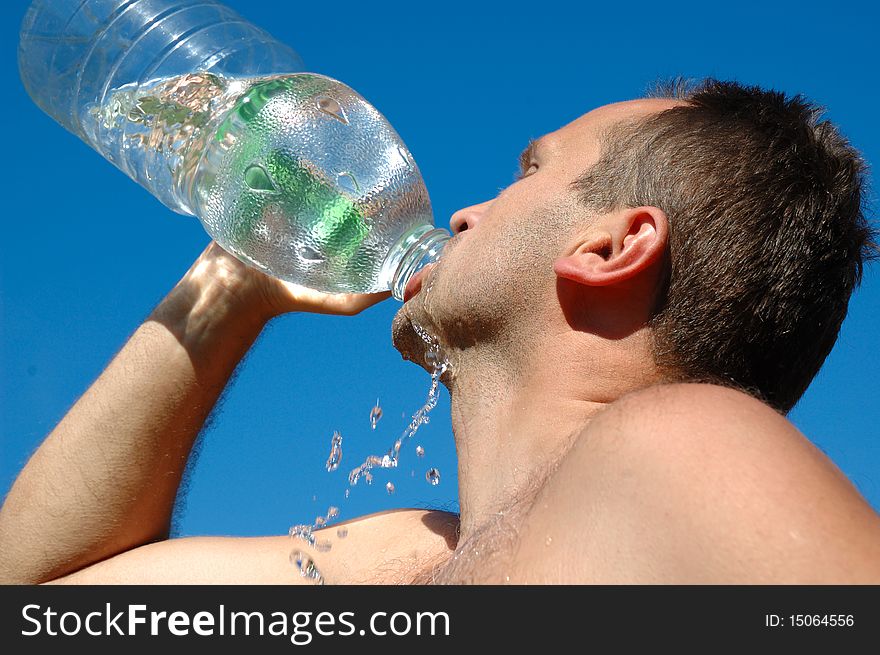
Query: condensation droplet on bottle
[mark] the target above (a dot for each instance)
(548, 540)
(258, 179)
(420, 451)
(320, 521)
(433, 476)
(335, 452)
(309, 254)
(389, 487)
(332, 512)
(348, 182)
(403, 156)
(375, 415)
(347, 493)
(332, 108)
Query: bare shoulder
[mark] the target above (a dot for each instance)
(699, 483)
(391, 547)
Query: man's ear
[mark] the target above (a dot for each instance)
(619, 247)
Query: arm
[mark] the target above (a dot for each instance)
(692, 484)
(104, 481)
(393, 547)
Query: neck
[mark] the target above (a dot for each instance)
(514, 420)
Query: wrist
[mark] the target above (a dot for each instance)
(211, 308)
(224, 285)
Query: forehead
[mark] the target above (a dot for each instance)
(581, 137)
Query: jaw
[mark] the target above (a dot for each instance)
(412, 347)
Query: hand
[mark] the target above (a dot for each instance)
(269, 296)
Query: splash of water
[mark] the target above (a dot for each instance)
(306, 566)
(433, 477)
(375, 415)
(305, 531)
(335, 452)
(439, 364)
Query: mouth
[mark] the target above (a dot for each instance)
(415, 283)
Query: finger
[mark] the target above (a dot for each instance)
(353, 303)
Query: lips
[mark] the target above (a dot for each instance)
(415, 283)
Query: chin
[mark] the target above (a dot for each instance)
(404, 338)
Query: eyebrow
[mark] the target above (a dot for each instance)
(526, 156)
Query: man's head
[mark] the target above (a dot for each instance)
(724, 221)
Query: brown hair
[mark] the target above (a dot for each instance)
(767, 232)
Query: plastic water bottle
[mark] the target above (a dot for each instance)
(292, 172)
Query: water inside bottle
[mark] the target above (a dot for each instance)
(156, 131)
(296, 175)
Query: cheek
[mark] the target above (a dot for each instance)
(474, 262)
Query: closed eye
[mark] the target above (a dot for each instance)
(525, 172)
(527, 164)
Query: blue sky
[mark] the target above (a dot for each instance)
(86, 253)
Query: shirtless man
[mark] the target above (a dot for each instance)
(626, 325)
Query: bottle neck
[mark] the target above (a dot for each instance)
(413, 251)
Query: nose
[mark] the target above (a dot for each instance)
(467, 218)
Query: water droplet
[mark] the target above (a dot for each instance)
(412, 473)
(389, 487)
(347, 493)
(304, 532)
(432, 357)
(433, 476)
(420, 451)
(306, 566)
(375, 414)
(548, 540)
(323, 546)
(342, 533)
(403, 156)
(309, 254)
(348, 182)
(314, 499)
(335, 452)
(332, 513)
(391, 459)
(332, 108)
(320, 521)
(258, 179)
